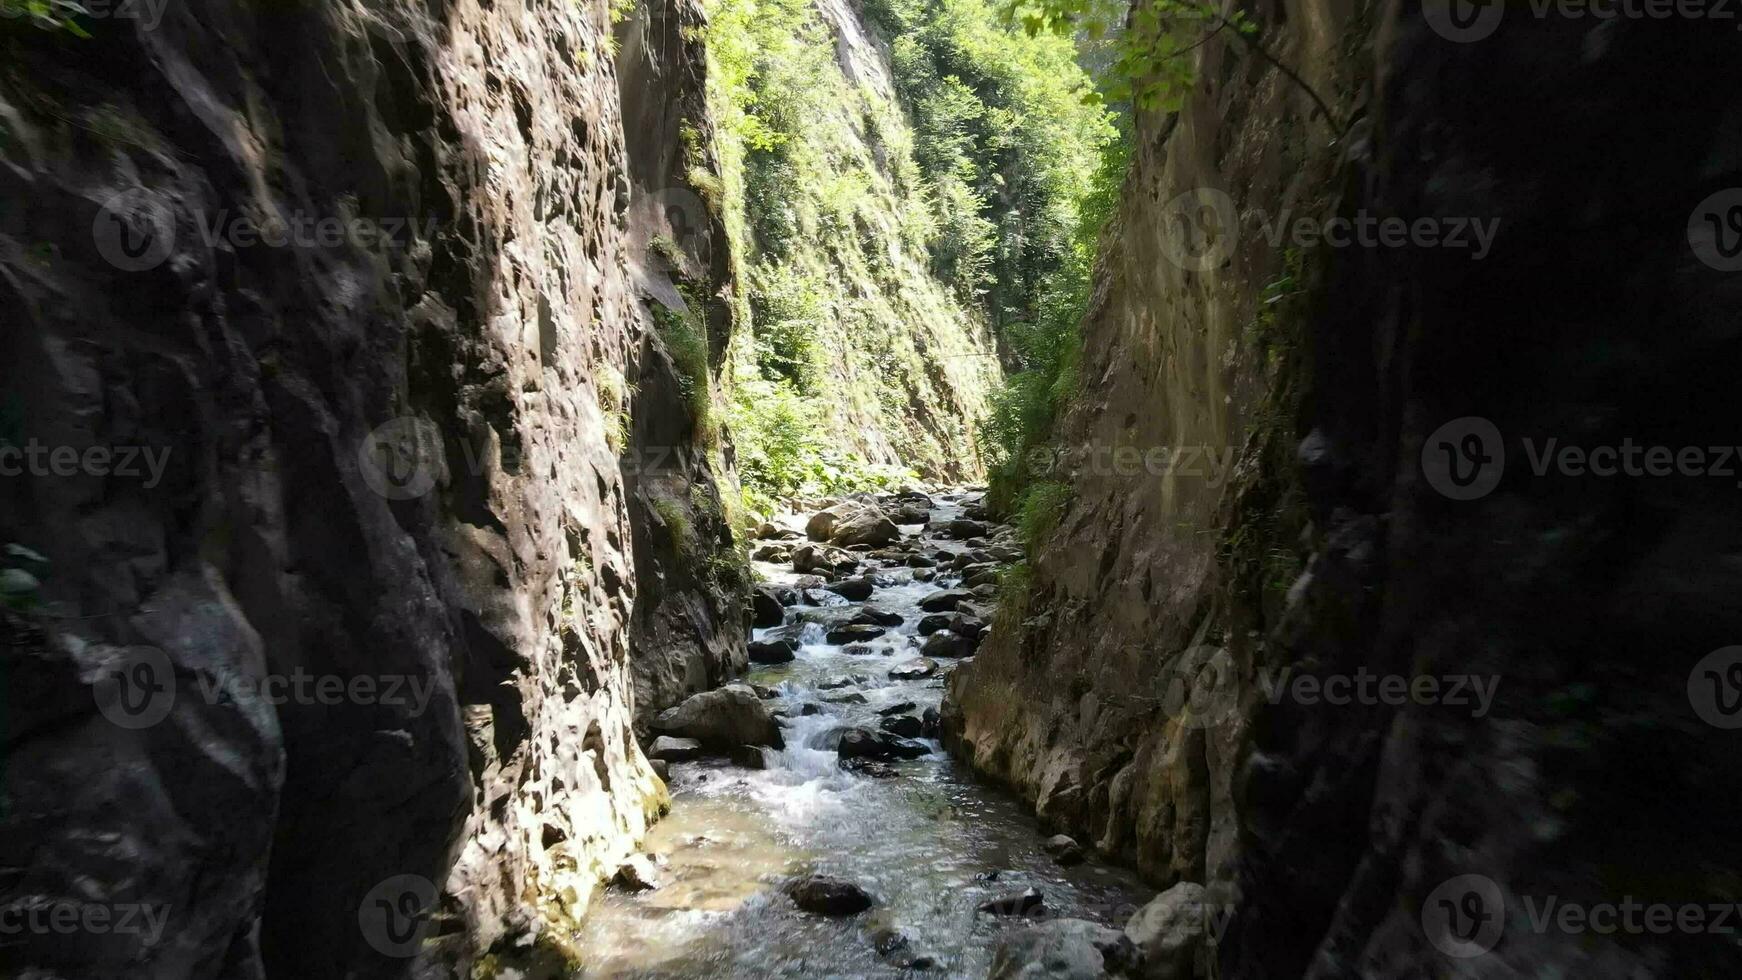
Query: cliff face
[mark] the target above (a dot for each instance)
(1144, 696)
(352, 668)
(1088, 697)
(841, 291)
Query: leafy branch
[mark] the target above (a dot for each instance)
(1149, 44)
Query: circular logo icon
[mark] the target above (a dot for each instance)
(134, 231)
(1200, 229)
(1464, 916)
(1715, 688)
(395, 915)
(676, 222)
(402, 458)
(1465, 458)
(1463, 21)
(137, 689)
(1201, 688)
(1715, 230)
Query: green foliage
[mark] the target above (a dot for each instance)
(1007, 136)
(841, 199)
(48, 15)
(677, 525)
(686, 340)
(614, 394)
(1043, 505)
(1147, 41)
(1015, 588)
(1025, 410)
(783, 455)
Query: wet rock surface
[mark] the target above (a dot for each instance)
(861, 794)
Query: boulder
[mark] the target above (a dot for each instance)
(810, 709)
(1065, 949)
(1170, 931)
(1063, 849)
(945, 643)
(770, 654)
(854, 633)
(750, 757)
(765, 693)
(852, 522)
(861, 743)
(932, 720)
(988, 576)
(945, 601)
(871, 767)
(897, 709)
(878, 616)
(921, 561)
(966, 624)
(910, 513)
(668, 749)
(1029, 901)
(924, 574)
(661, 768)
(821, 895)
(776, 553)
(914, 670)
(777, 646)
(962, 528)
(906, 726)
(766, 608)
(857, 589)
(933, 622)
(637, 874)
(853, 698)
(767, 531)
(721, 719)
(820, 558)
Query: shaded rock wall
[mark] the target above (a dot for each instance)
(1082, 699)
(395, 456)
(1135, 702)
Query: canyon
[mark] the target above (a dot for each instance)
(441, 640)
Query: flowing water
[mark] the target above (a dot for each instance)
(930, 842)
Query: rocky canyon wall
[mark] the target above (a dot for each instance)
(1149, 696)
(336, 676)
(840, 288)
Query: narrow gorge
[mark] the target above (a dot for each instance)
(1150, 489)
